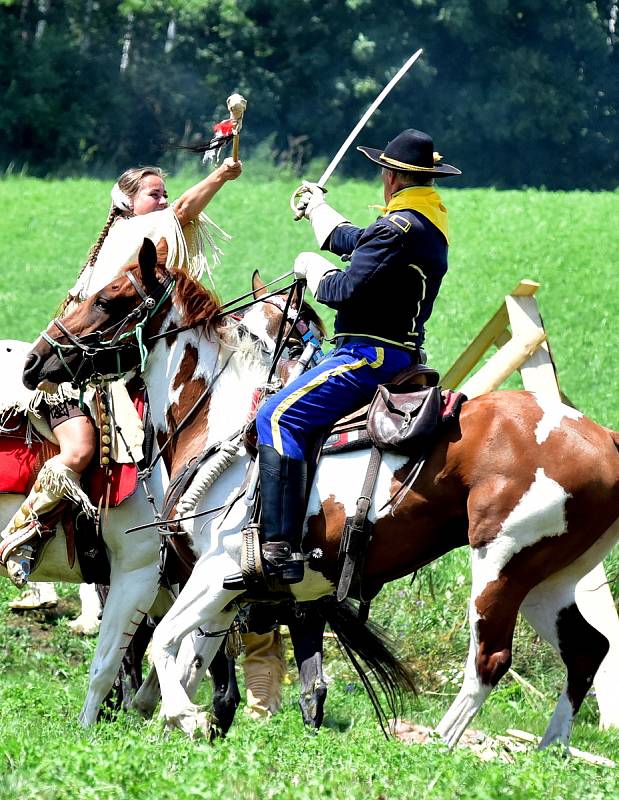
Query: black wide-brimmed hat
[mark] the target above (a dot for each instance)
(411, 151)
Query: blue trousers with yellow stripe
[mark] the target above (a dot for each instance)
(346, 379)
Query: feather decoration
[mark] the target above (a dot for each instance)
(211, 148)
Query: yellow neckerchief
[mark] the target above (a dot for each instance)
(423, 199)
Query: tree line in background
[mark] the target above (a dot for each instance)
(515, 92)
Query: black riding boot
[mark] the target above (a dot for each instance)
(282, 489)
(282, 486)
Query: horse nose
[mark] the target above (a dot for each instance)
(31, 370)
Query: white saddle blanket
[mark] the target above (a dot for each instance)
(13, 394)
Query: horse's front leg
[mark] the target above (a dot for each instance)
(193, 668)
(306, 633)
(226, 695)
(129, 600)
(147, 696)
(129, 678)
(204, 604)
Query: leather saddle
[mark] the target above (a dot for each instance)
(402, 416)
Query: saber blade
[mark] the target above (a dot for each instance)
(355, 131)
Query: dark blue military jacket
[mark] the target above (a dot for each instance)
(388, 289)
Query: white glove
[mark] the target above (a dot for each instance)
(312, 196)
(312, 267)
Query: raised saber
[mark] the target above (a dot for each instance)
(355, 131)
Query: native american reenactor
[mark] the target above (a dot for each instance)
(139, 209)
(383, 299)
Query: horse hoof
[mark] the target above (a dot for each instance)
(312, 706)
(194, 724)
(84, 627)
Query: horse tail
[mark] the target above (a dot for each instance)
(371, 653)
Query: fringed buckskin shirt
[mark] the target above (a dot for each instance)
(396, 267)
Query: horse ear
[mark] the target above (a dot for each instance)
(147, 259)
(258, 285)
(162, 252)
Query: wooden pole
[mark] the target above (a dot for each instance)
(503, 363)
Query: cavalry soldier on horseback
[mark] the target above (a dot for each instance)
(139, 209)
(383, 298)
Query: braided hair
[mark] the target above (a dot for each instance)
(129, 184)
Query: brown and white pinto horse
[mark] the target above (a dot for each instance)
(531, 487)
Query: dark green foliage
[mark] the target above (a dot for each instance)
(516, 92)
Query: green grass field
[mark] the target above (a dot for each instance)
(565, 241)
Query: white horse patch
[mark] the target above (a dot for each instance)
(539, 513)
(553, 414)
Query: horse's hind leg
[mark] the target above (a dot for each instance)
(552, 611)
(492, 618)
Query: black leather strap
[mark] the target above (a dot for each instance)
(357, 530)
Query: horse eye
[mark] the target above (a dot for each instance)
(99, 303)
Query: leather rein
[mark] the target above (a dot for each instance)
(114, 339)
(118, 340)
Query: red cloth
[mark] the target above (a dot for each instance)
(224, 128)
(17, 463)
(122, 479)
(452, 401)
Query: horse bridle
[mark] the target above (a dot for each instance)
(119, 340)
(115, 339)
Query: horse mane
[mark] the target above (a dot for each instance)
(201, 306)
(198, 305)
